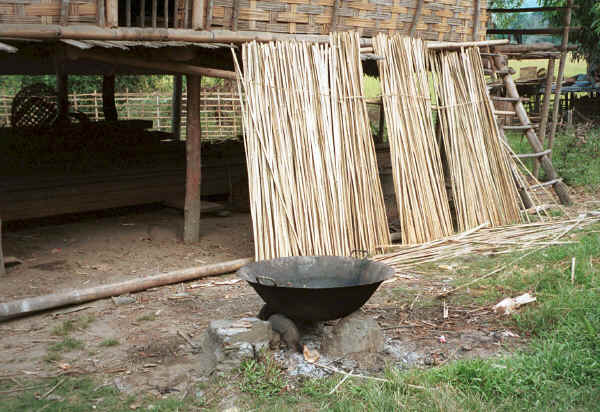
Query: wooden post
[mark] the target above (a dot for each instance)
(112, 13)
(62, 89)
(413, 26)
(64, 12)
(176, 107)
(545, 110)
(128, 13)
(108, 98)
(198, 12)
(2, 268)
(511, 91)
(561, 71)
(191, 225)
(100, 13)
(154, 12)
(379, 138)
(143, 13)
(476, 19)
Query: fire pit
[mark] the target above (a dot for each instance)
(315, 288)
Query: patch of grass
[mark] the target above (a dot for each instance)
(109, 342)
(71, 325)
(262, 379)
(577, 164)
(372, 87)
(571, 68)
(66, 345)
(147, 317)
(84, 394)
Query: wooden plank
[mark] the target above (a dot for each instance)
(191, 226)
(525, 9)
(520, 127)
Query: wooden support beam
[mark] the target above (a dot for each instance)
(112, 13)
(142, 13)
(64, 12)
(198, 13)
(176, 110)
(413, 25)
(536, 47)
(165, 67)
(545, 110)
(235, 14)
(525, 9)
(166, 14)
(520, 127)
(504, 113)
(108, 97)
(511, 90)
(154, 13)
(337, 4)
(2, 267)
(128, 13)
(209, 14)
(561, 71)
(191, 225)
(476, 19)
(548, 30)
(548, 183)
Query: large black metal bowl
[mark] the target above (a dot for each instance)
(315, 288)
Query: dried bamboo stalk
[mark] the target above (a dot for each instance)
(483, 188)
(314, 188)
(416, 163)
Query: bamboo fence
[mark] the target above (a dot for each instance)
(220, 112)
(418, 174)
(314, 188)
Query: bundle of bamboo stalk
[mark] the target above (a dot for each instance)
(416, 162)
(485, 240)
(483, 187)
(314, 188)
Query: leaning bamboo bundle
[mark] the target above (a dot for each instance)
(483, 187)
(416, 163)
(312, 169)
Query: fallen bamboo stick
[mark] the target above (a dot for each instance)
(26, 306)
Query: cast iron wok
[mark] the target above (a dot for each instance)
(315, 288)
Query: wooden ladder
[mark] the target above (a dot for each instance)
(499, 69)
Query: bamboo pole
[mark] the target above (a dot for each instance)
(198, 13)
(31, 305)
(128, 13)
(142, 13)
(108, 98)
(561, 71)
(154, 13)
(191, 226)
(545, 111)
(100, 13)
(64, 12)
(432, 45)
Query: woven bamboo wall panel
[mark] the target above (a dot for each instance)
(450, 20)
(46, 12)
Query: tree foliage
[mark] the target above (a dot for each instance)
(585, 15)
(506, 20)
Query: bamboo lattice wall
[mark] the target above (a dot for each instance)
(219, 111)
(450, 20)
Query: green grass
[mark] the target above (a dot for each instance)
(578, 165)
(71, 325)
(109, 342)
(572, 67)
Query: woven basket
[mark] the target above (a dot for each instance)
(46, 11)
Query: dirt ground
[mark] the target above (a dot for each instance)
(142, 344)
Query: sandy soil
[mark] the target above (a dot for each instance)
(151, 335)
